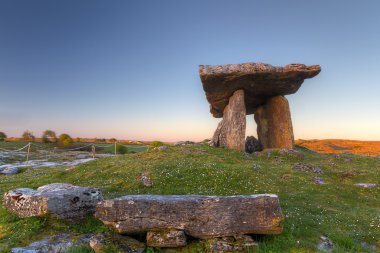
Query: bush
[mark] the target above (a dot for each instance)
(28, 136)
(65, 140)
(49, 136)
(2, 136)
(156, 144)
(120, 149)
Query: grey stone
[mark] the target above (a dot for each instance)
(9, 170)
(63, 201)
(252, 145)
(319, 181)
(166, 238)
(145, 180)
(366, 185)
(240, 243)
(304, 167)
(55, 244)
(162, 147)
(199, 216)
(326, 245)
(100, 243)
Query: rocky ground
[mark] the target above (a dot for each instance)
(330, 202)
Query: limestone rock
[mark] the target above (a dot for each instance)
(64, 201)
(166, 238)
(200, 216)
(239, 243)
(326, 245)
(145, 180)
(8, 170)
(366, 185)
(55, 244)
(100, 243)
(230, 132)
(274, 124)
(304, 167)
(252, 145)
(259, 81)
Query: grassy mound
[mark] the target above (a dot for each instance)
(347, 214)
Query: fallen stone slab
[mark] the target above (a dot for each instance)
(63, 201)
(166, 238)
(102, 243)
(199, 216)
(55, 244)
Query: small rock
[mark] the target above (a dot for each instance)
(55, 244)
(252, 145)
(145, 180)
(292, 153)
(100, 243)
(319, 181)
(9, 170)
(307, 168)
(184, 143)
(256, 167)
(365, 185)
(162, 148)
(230, 244)
(326, 245)
(166, 239)
(64, 201)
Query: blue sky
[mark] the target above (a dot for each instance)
(129, 69)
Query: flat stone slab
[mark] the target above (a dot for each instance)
(198, 216)
(64, 201)
(259, 81)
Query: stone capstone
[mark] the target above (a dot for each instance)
(230, 132)
(166, 238)
(199, 216)
(258, 80)
(274, 124)
(102, 243)
(63, 201)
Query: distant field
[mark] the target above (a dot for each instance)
(331, 146)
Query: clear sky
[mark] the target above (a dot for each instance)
(129, 69)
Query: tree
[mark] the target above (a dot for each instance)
(65, 140)
(28, 136)
(2, 136)
(156, 143)
(113, 140)
(49, 136)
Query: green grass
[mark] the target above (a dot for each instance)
(347, 214)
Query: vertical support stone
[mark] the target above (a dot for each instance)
(274, 124)
(230, 132)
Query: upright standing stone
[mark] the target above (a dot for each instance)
(231, 130)
(274, 124)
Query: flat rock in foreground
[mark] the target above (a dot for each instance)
(198, 216)
(64, 201)
(259, 81)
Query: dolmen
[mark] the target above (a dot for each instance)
(63, 201)
(237, 90)
(169, 220)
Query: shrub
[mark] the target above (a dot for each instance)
(120, 149)
(49, 136)
(65, 140)
(2, 136)
(28, 136)
(156, 143)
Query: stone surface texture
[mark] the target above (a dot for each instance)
(252, 145)
(64, 201)
(55, 244)
(241, 243)
(274, 124)
(166, 238)
(199, 216)
(259, 81)
(230, 132)
(102, 243)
